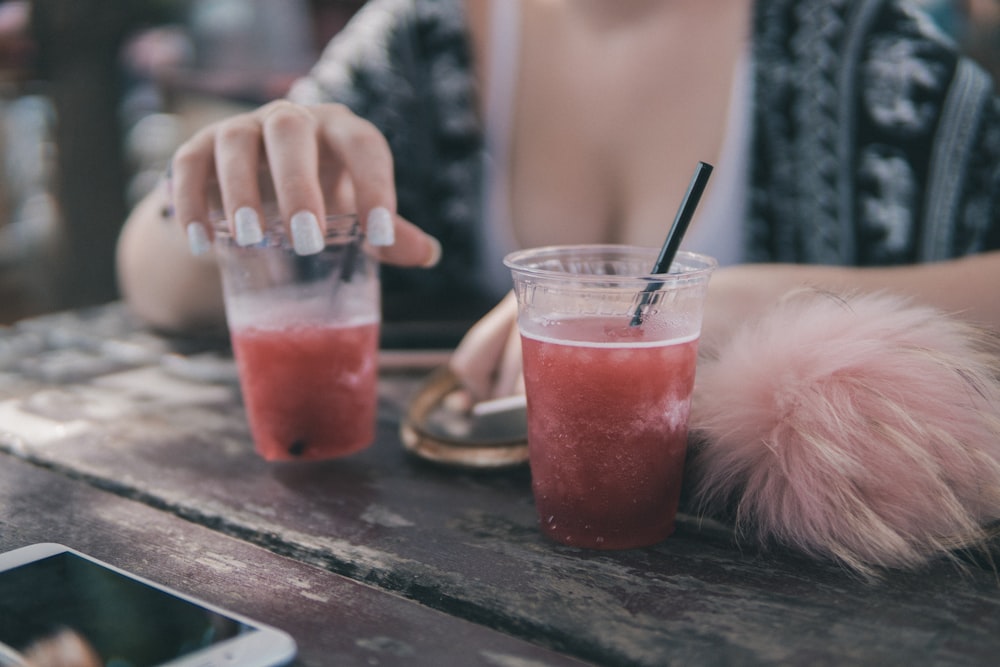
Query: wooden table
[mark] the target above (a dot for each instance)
(135, 448)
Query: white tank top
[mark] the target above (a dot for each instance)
(718, 227)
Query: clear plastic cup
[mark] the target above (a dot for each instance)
(305, 332)
(609, 363)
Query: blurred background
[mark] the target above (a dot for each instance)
(94, 97)
(96, 94)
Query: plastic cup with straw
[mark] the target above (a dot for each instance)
(607, 402)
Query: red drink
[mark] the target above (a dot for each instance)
(310, 390)
(607, 430)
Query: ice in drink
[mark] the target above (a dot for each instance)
(607, 430)
(310, 390)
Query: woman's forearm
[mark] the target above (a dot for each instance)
(966, 288)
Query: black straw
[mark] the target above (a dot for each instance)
(675, 235)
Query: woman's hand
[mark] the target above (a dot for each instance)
(488, 359)
(314, 157)
(307, 160)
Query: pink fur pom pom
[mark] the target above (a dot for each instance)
(858, 428)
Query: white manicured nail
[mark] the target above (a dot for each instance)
(307, 237)
(247, 225)
(381, 231)
(197, 238)
(435, 255)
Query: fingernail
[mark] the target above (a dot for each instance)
(381, 231)
(197, 238)
(435, 255)
(248, 231)
(307, 237)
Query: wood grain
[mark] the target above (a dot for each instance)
(466, 543)
(335, 621)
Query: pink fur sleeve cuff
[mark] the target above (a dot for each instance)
(862, 429)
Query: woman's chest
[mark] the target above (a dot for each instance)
(608, 128)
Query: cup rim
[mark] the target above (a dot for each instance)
(694, 265)
(336, 225)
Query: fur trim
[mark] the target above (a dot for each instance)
(859, 428)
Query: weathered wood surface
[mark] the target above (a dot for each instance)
(334, 620)
(106, 409)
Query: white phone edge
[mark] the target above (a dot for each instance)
(268, 647)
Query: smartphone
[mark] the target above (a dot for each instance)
(52, 597)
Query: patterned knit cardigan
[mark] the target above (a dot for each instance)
(873, 141)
